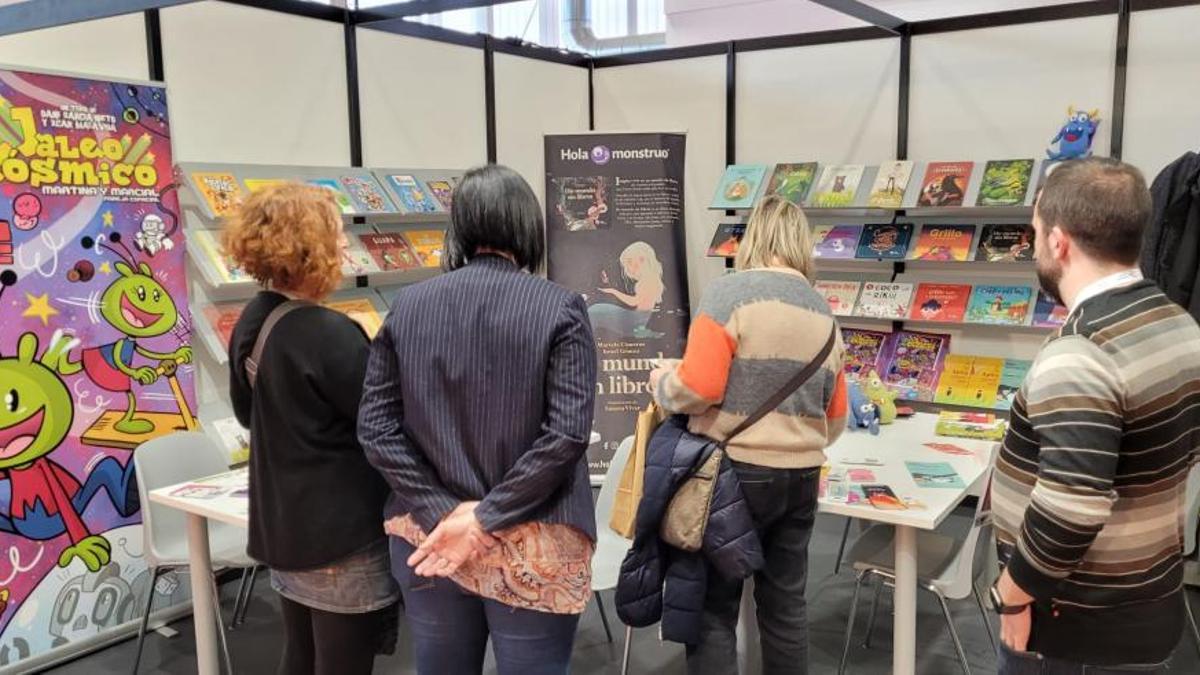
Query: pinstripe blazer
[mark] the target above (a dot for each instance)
(480, 387)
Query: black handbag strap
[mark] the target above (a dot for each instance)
(792, 385)
(260, 343)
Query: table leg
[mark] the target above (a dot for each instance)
(749, 647)
(207, 662)
(904, 631)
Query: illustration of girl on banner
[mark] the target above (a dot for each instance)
(630, 314)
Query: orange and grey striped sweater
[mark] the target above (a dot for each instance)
(754, 331)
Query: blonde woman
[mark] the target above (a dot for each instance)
(754, 331)
(639, 264)
(315, 501)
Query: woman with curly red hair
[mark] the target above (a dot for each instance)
(315, 502)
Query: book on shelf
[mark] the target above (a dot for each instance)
(726, 240)
(945, 183)
(1011, 379)
(792, 181)
(344, 203)
(233, 438)
(356, 260)
(1005, 243)
(838, 186)
(940, 302)
(969, 381)
(885, 241)
(890, 185)
(836, 242)
(360, 309)
(1047, 313)
(935, 475)
(227, 270)
(1005, 182)
(841, 295)
(739, 186)
(257, 184)
(222, 317)
(912, 362)
(978, 425)
(413, 195)
(219, 190)
(443, 191)
(881, 300)
(944, 243)
(1001, 305)
(428, 244)
(368, 196)
(390, 251)
(863, 349)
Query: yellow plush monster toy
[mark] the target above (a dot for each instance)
(883, 398)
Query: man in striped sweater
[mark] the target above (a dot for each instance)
(1089, 485)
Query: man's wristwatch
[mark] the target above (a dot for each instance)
(1001, 608)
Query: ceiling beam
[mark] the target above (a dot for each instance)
(400, 10)
(864, 12)
(38, 14)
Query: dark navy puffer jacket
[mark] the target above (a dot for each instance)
(661, 582)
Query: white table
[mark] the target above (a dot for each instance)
(220, 497)
(897, 443)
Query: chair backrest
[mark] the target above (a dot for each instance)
(167, 460)
(968, 564)
(608, 491)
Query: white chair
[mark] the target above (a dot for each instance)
(164, 461)
(610, 546)
(947, 566)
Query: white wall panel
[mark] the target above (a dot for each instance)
(422, 102)
(535, 98)
(252, 85)
(1162, 104)
(832, 103)
(1004, 92)
(685, 95)
(114, 47)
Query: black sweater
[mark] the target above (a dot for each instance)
(314, 499)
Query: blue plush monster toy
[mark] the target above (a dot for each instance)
(863, 413)
(1075, 138)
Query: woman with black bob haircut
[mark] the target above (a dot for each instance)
(477, 411)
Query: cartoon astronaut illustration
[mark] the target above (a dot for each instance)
(152, 238)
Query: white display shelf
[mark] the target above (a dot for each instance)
(921, 324)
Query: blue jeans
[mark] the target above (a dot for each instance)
(451, 627)
(1028, 663)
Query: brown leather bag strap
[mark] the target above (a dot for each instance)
(792, 385)
(260, 343)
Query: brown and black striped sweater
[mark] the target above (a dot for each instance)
(1088, 493)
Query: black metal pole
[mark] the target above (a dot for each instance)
(352, 94)
(489, 92)
(902, 107)
(154, 53)
(730, 103)
(1120, 74)
(591, 66)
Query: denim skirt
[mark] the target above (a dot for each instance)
(356, 584)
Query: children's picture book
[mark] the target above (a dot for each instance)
(356, 260)
(860, 476)
(256, 184)
(949, 449)
(226, 268)
(863, 348)
(886, 241)
(841, 295)
(1004, 305)
(940, 302)
(1011, 379)
(884, 300)
(581, 203)
(943, 243)
(792, 181)
(390, 251)
(367, 195)
(1047, 313)
(222, 317)
(234, 438)
(219, 190)
(443, 191)
(935, 475)
(428, 245)
(890, 184)
(345, 204)
(1005, 182)
(413, 196)
(726, 240)
(945, 183)
(838, 186)
(969, 381)
(361, 310)
(839, 242)
(739, 187)
(882, 498)
(977, 425)
(1005, 243)
(912, 362)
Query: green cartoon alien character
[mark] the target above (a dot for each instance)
(138, 306)
(36, 412)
